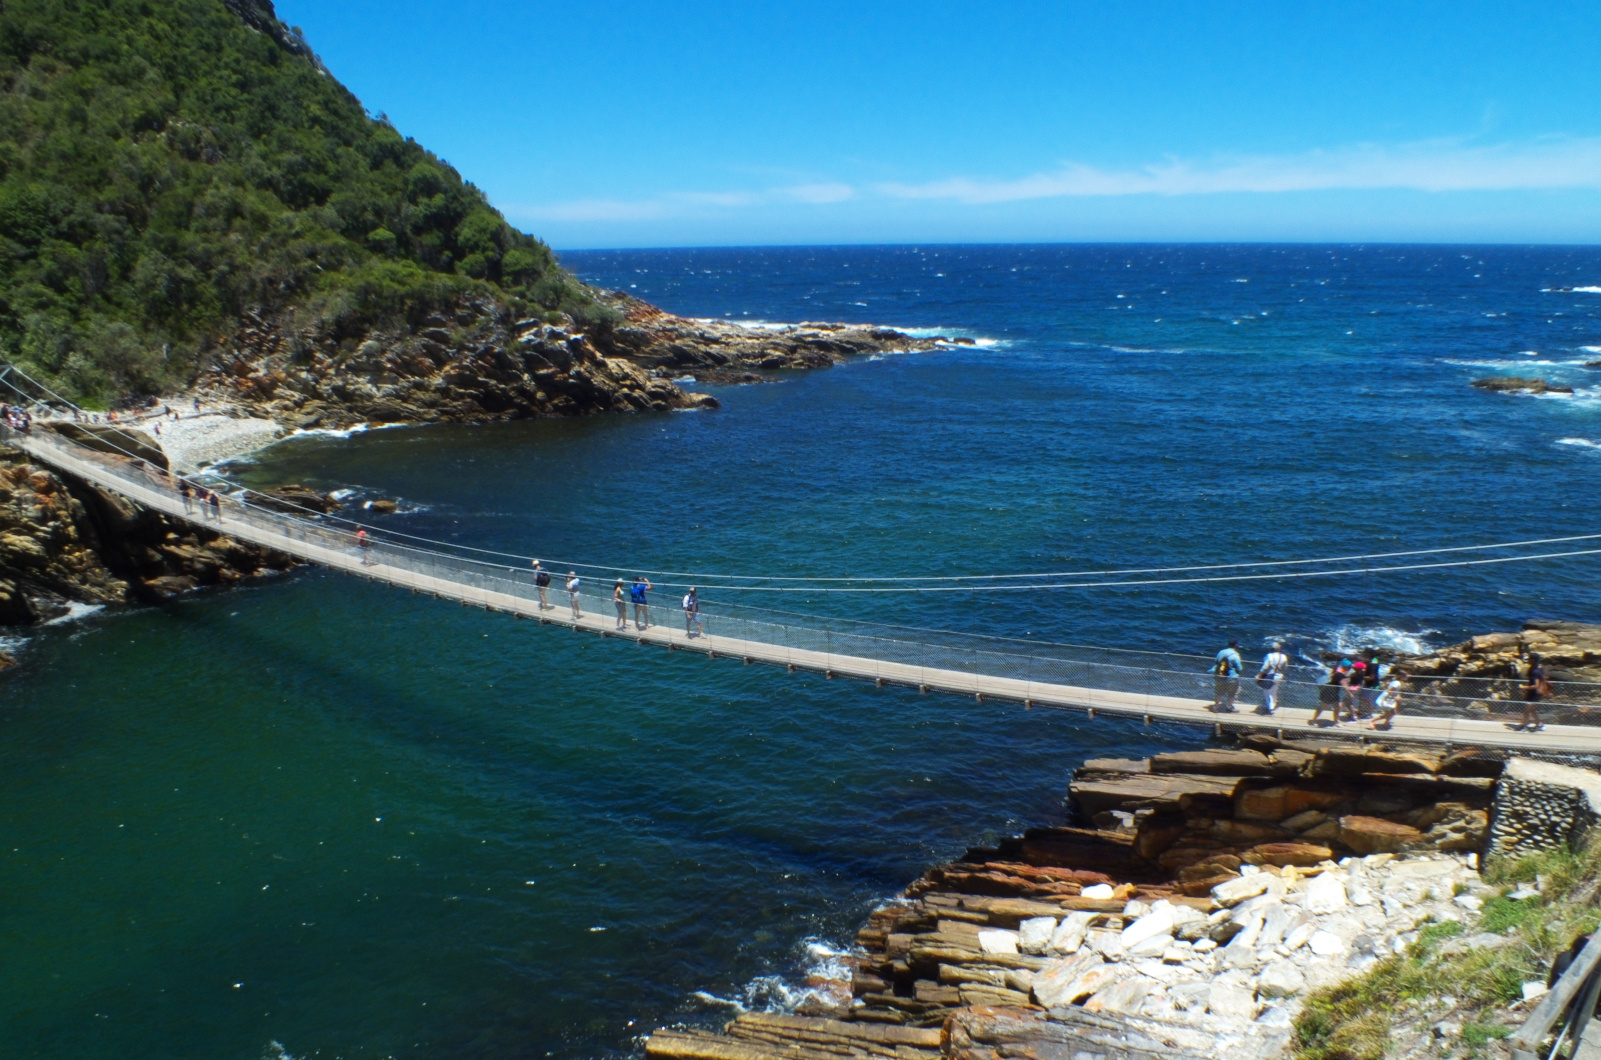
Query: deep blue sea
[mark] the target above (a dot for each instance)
(320, 818)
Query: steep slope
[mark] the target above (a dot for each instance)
(169, 165)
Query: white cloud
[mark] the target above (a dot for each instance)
(1434, 166)
(1440, 165)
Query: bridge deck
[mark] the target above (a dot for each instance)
(308, 542)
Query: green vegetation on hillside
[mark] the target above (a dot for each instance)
(166, 165)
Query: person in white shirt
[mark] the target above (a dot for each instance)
(1389, 704)
(1271, 678)
(572, 591)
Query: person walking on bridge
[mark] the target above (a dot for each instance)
(216, 504)
(637, 591)
(1226, 670)
(1536, 688)
(542, 583)
(621, 601)
(1270, 678)
(572, 591)
(187, 493)
(692, 612)
(364, 546)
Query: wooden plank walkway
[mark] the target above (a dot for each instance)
(297, 537)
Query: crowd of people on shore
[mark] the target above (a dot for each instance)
(1365, 689)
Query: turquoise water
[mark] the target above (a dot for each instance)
(323, 818)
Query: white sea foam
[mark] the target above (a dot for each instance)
(1353, 638)
(12, 645)
(1588, 290)
(1591, 349)
(1531, 353)
(825, 976)
(1502, 363)
(76, 611)
(1583, 443)
(330, 432)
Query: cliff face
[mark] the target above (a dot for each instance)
(62, 541)
(476, 362)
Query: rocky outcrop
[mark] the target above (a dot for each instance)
(1067, 942)
(714, 351)
(477, 364)
(1571, 652)
(1511, 384)
(63, 541)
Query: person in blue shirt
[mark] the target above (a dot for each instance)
(641, 607)
(1226, 669)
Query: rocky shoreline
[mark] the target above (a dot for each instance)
(1186, 908)
(64, 542)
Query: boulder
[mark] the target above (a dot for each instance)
(1301, 854)
(1511, 384)
(1374, 835)
(1325, 893)
(1069, 934)
(1233, 892)
(1304, 820)
(1097, 792)
(1155, 923)
(1243, 763)
(1116, 765)
(1326, 944)
(1350, 761)
(1230, 1002)
(997, 940)
(1280, 979)
(1034, 934)
(1122, 998)
(1070, 979)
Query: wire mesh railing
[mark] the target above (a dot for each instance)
(862, 648)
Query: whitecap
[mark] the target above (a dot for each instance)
(825, 975)
(330, 432)
(1583, 443)
(76, 611)
(1591, 349)
(1587, 290)
(1350, 638)
(342, 495)
(1531, 353)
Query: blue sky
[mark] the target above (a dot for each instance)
(704, 123)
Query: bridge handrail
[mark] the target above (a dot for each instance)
(975, 655)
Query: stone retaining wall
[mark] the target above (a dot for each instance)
(1540, 805)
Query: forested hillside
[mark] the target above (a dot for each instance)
(168, 165)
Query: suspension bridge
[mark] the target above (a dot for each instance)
(1154, 688)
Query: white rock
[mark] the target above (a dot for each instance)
(1205, 945)
(1280, 979)
(1237, 890)
(1469, 901)
(1152, 924)
(1534, 990)
(1097, 890)
(1523, 892)
(1302, 929)
(1187, 996)
(1109, 944)
(1135, 909)
(1359, 893)
(1423, 868)
(1183, 914)
(1276, 1016)
(1248, 936)
(1034, 934)
(1154, 946)
(997, 940)
(1234, 1002)
(1275, 924)
(1058, 983)
(1250, 870)
(1325, 893)
(1241, 956)
(1326, 944)
(1069, 934)
(1122, 998)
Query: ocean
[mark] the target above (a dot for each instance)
(319, 818)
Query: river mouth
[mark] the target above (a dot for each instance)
(343, 818)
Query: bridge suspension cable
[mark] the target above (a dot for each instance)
(879, 584)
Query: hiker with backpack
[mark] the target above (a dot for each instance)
(637, 593)
(572, 591)
(542, 583)
(692, 612)
(1226, 670)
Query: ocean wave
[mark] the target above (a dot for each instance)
(825, 976)
(75, 612)
(329, 432)
(1586, 290)
(1351, 637)
(1583, 443)
(12, 645)
(1591, 349)
(1501, 363)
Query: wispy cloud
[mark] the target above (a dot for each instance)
(1440, 165)
(684, 203)
(1434, 166)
